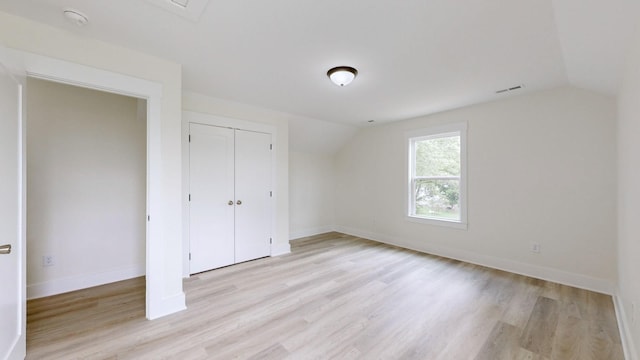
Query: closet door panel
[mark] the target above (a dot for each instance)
(253, 199)
(211, 187)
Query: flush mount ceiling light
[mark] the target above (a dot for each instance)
(76, 17)
(342, 75)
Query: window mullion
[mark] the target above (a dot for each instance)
(436, 177)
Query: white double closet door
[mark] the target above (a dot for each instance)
(230, 212)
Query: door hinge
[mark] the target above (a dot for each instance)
(189, 197)
(189, 256)
(148, 217)
(189, 137)
(270, 240)
(270, 146)
(270, 193)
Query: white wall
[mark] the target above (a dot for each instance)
(86, 189)
(311, 193)
(629, 200)
(313, 145)
(29, 36)
(313, 136)
(541, 168)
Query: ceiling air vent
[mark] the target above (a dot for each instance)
(513, 88)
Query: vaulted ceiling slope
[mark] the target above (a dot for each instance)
(414, 57)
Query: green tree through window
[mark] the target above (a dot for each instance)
(436, 176)
(437, 187)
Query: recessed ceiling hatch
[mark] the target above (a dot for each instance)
(182, 3)
(189, 9)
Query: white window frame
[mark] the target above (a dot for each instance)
(435, 132)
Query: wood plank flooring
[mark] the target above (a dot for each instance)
(334, 297)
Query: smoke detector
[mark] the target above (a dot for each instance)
(76, 17)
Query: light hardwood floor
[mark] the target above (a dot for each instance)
(334, 297)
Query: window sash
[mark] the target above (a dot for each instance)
(416, 139)
(413, 209)
(450, 130)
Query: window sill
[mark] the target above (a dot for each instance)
(438, 222)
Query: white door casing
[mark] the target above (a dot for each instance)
(12, 261)
(253, 195)
(211, 206)
(159, 301)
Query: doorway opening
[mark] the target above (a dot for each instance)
(86, 187)
(163, 284)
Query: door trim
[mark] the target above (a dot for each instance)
(13, 67)
(46, 68)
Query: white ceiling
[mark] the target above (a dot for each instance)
(414, 57)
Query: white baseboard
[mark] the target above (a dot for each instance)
(63, 285)
(166, 306)
(280, 249)
(534, 271)
(628, 346)
(297, 234)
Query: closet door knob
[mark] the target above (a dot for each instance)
(5, 249)
(230, 202)
(239, 202)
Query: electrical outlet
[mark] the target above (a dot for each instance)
(535, 247)
(48, 260)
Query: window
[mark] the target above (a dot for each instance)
(437, 175)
